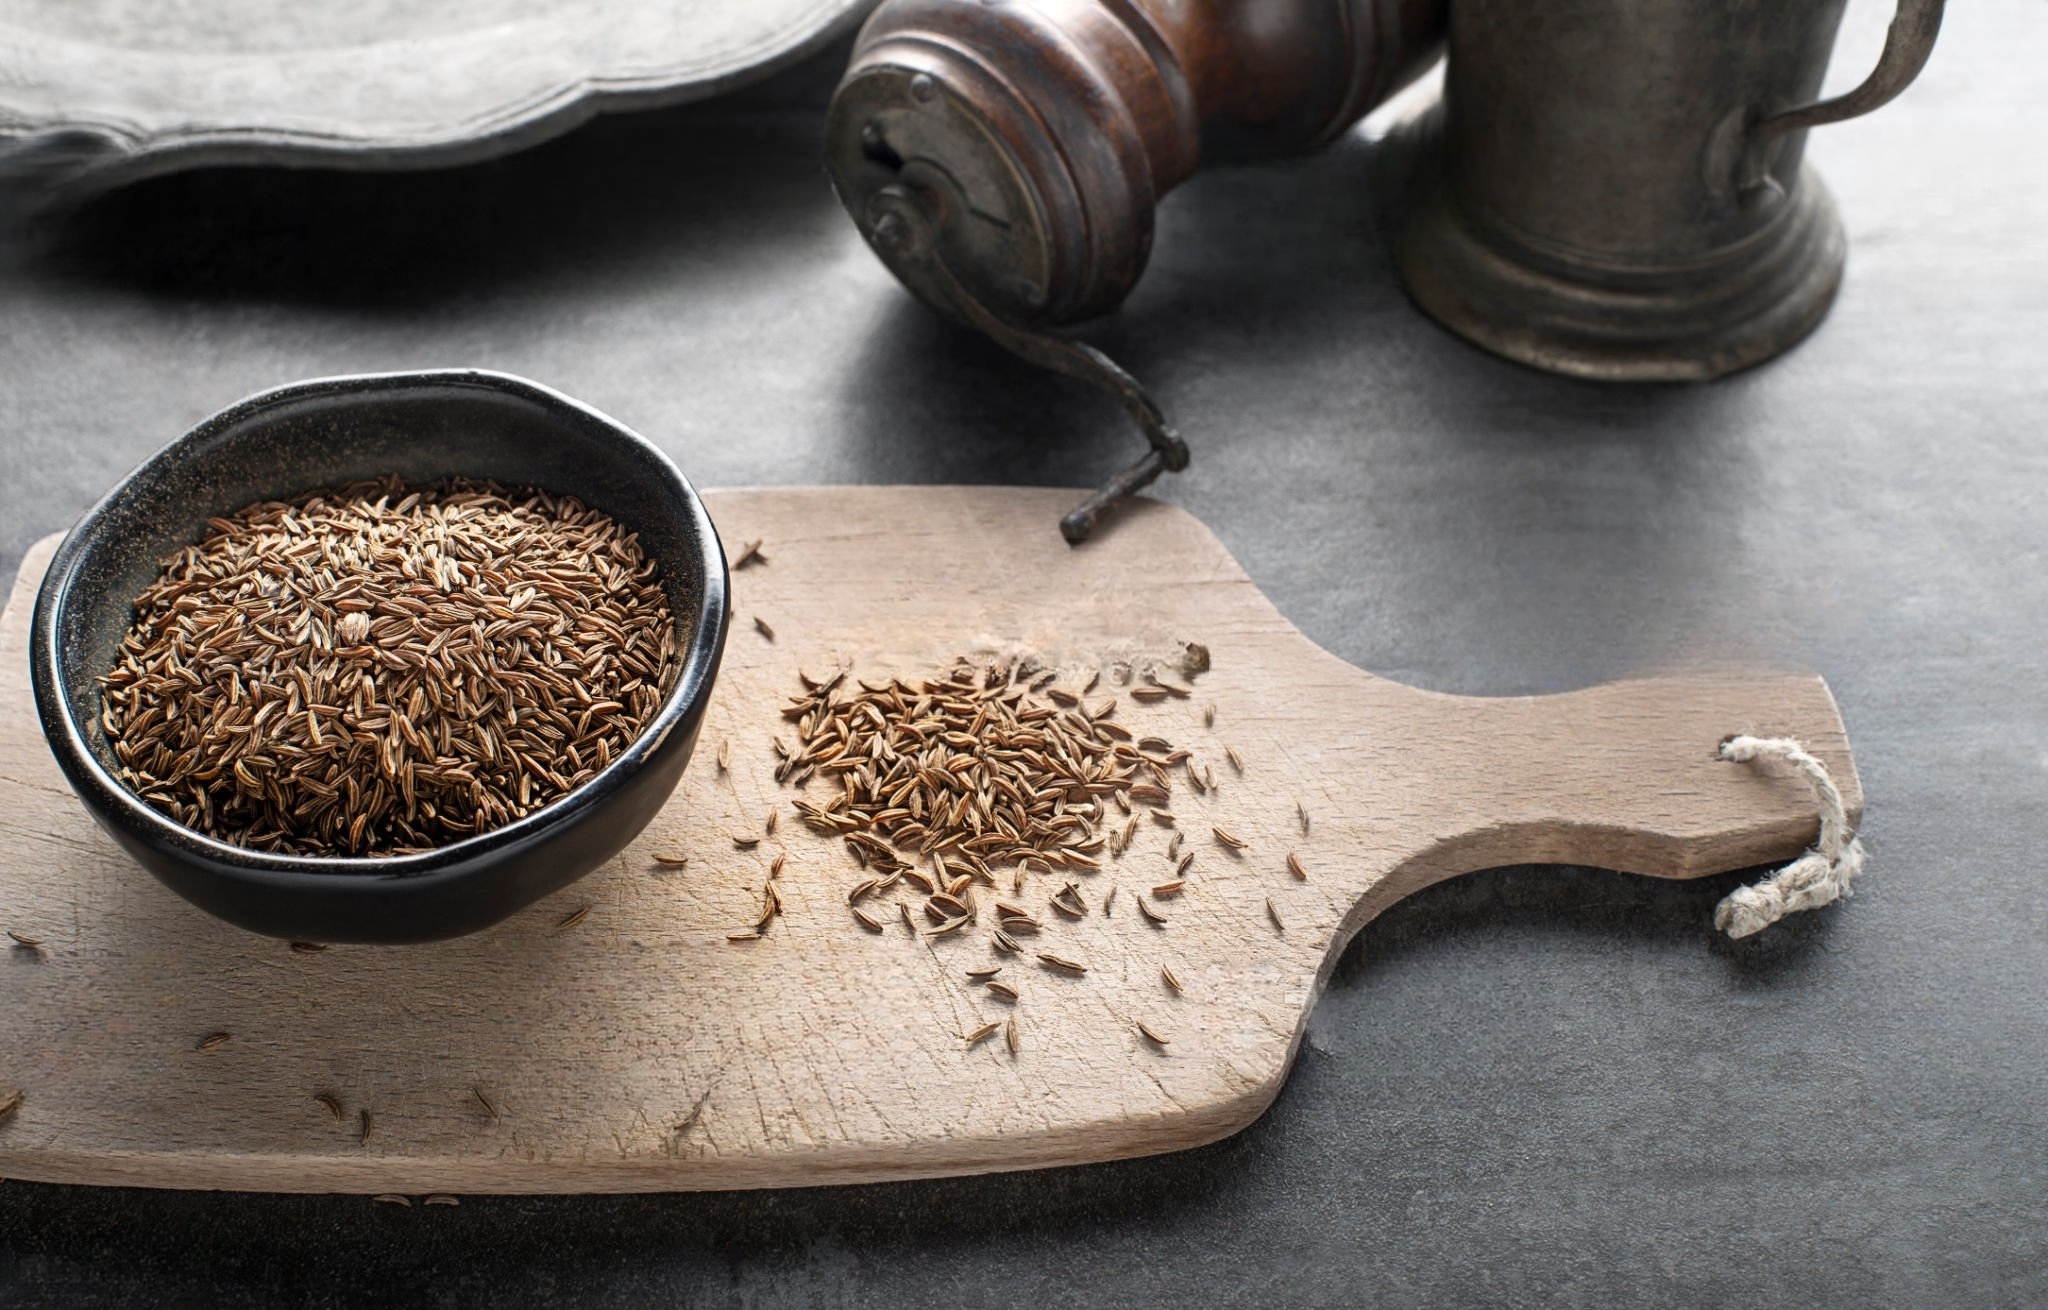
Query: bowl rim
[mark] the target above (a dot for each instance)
(691, 688)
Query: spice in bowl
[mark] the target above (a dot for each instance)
(382, 669)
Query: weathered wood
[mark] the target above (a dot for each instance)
(640, 1050)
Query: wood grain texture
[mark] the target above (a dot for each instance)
(640, 1050)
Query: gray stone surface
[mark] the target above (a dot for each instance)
(1531, 1086)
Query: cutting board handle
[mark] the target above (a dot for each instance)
(1624, 776)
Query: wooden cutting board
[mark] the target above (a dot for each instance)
(640, 1050)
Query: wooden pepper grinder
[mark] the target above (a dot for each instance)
(1004, 157)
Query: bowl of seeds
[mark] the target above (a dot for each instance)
(383, 658)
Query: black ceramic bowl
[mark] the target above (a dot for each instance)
(420, 426)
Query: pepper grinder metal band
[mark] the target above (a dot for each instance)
(1619, 190)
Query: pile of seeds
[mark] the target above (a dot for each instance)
(378, 668)
(978, 769)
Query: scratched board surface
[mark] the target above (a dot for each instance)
(613, 1038)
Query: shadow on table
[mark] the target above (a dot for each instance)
(621, 196)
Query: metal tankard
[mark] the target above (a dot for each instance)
(1619, 192)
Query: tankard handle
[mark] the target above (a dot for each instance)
(1907, 46)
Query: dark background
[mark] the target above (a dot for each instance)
(1530, 1086)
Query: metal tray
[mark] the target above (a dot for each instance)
(94, 93)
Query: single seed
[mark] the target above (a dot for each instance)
(908, 922)
(213, 1041)
(10, 1101)
(673, 861)
(307, 948)
(1236, 760)
(745, 935)
(868, 921)
(986, 1030)
(1180, 870)
(1010, 1037)
(775, 866)
(1169, 888)
(861, 889)
(761, 626)
(1209, 715)
(1274, 915)
(1003, 990)
(1005, 942)
(722, 755)
(951, 925)
(985, 971)
(441, 1198)
(1164, 818)
(1148, 695)
(747, 842)
(393, 1198)
(29, 943)
(485, 1102)
(1294, 866)
(769, 827)
(749, 554)
(1227, 837)
(1060, 962)
(1145, 908)
(365, 1125)
(572, 918)
(1108, 901)
(1171, 981)
(1302, 810)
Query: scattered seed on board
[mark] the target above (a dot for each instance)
(365, 1125)
(673, 861)
(867, 921)
(1180, 870)
(24, 941)
(1108, 901)
(1145, 908)
(10, 1101)
(1209, 715)
(1294, 866)
(329, 1104)
(747, 842)
(1002, 990)
(1005, 942)
(1164, 818)
(724, 754)
(441, 1198)
(393, 1198)
(1169, 888)
(745, 935)
(985, 971)
(749, 554)
(761, 626)
(1151, 1036)
(775, 866)
(908, 922)
(572, 918)
(213, 1041)
(308, 948)
(485, 1102)
(1010, 1037)
(1166, 975)
(1227, 837)
(985, 1031)
(769, 827)
(1302, 810)
(1060, 962)
(1236, 760)
(1274, 915)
